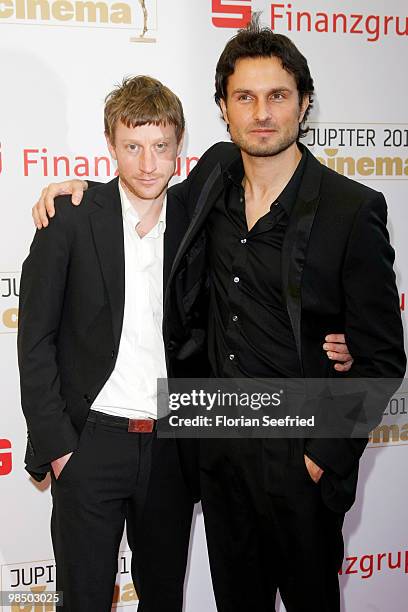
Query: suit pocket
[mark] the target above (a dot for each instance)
(306, 471)
(62, 472)
(298, 460)
(76, 455)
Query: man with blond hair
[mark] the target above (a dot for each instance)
(90, 350)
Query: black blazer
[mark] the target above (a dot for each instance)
(70, 319)
(337, 276)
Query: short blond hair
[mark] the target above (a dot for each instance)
(141, 100)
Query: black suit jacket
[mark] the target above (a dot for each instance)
(70, 319)
(337, 276)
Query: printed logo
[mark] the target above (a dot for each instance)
(35, 578)
(393, 429)
(231, 15)
(125, 593)
(5, 457)
(139, 15)
(9, 292)
(38, 577)
(365, 566)
(291, 17)
(361, 151)
(42, 162)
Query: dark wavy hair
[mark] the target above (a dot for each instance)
(257, 41)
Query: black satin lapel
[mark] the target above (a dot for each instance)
(293, 261)
(107, 230)
(211, 190)
(296, 241)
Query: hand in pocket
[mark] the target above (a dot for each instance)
(315, 472)
(59, 464)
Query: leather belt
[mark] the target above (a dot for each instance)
(130, 425)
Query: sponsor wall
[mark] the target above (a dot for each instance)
(59, 59)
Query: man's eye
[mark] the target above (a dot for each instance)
(277, 96)
(161, 146)
(132, 147)
(244, 98)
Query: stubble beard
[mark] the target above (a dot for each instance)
(265, 149)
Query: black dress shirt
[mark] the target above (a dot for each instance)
(250, 333)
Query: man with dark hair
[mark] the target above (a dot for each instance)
(294, 250)
(255, 42)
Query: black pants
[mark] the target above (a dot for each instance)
(116, 476)
(267, 528)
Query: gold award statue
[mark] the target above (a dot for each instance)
(143, 37)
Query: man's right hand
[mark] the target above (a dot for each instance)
(59, 464)
(45, 205)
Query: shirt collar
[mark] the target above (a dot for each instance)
(287, 197)
(130, 213)
(235, 173)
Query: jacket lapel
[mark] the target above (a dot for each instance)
(208, 196)
(107, 229)
(176, 225)
(296, 241)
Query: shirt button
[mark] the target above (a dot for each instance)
(236, 279)
(235, 318)
(241, 200)
(231, 356)
(243, 241)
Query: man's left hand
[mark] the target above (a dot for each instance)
(315, 472)
(337, 350)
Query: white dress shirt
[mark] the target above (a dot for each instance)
(131, 390)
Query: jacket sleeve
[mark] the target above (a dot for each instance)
(92, 184)
(373, 328)
(43, 279)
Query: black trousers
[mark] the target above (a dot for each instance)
(267, 528)
(115, 477)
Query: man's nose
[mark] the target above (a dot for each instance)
(147, 162)
(262, 110)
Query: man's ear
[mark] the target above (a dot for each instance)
(111, 147)
(303, 107)
(224, 110)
